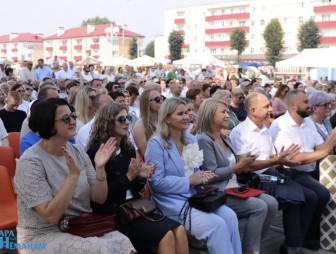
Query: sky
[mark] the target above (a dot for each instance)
(44, 16)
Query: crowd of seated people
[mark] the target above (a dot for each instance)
(93, 140)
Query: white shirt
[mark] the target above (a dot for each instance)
(160, 73)
(24, 106)
(246, 137)
(285, 132)
(64, 75)
(27, 75)
(3, 132)
(87, 77)
(83, 134)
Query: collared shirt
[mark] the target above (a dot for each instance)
(82, 137)
(246, 137)
(285, 132)
(44, 72)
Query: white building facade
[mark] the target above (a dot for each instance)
(207, 28)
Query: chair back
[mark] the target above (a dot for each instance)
(7, 159)
(14, 142)
(8, 215)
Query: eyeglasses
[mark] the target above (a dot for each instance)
(28, 89)
(122, 119)
(66, 118)
(157, 99)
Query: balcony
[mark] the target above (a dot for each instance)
(95, 56)
(78, 47)
(15, 59)
(78, 58)
(225, 30)
(95, 46)
(227, 17)
(328, 40)
(181, 32)
(3, 50)
(221, 43)
(325, 8)
(49, 48)
(326, 24)
(63, 48)
(64, 58)
(179, 21)
(14, 50)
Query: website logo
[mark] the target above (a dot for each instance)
(8, 242)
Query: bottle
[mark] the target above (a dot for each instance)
(270, 178)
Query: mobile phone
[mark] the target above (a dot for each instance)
(241, 190)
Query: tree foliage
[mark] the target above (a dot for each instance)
(175, 41)
(150, 49)
(238, 41)
(97, 21)
(273, 36)
(309, 35)
(133, 48)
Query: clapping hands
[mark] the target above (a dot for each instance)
(201, 177)
(285, 155)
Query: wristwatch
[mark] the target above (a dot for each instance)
(63, 224)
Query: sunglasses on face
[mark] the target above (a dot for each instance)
(157, 99)
(122, 119)
(66, 118)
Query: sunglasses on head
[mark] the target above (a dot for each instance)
(122, 119)
(66, 118)
(157, 99)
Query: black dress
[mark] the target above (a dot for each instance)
(144, 235)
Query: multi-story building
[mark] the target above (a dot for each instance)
(17, 47)
(207, 28)
(102, 42)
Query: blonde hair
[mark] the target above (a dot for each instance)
(145, 113)
(72, 95)
(82, 104)
(167, 108)
(206, 114)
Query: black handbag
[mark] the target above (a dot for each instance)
(206, 200)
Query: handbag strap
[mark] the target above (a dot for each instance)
(186, 208)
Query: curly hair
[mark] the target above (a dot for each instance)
(104, 126)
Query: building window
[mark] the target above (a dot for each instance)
(252, 50)
(242, 10)
(222, 50)
(195, 39)
(252, 36)
(326, 17)
(223, 11)
(212, 37)
(241, 23)
(222, 23)
(232, 11)
(300, 19)
(262, 22)
(213, 51)
(219, 36)
(213, 13)
(262, 50)
(252, 22)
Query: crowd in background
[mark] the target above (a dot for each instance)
(125, 125)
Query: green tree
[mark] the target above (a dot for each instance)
(238, 41)
(175, 41)
(133, 48)
(273, 36)
(150, 48)
(97, 21)
(309, 35)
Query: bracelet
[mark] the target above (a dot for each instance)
(102, 179)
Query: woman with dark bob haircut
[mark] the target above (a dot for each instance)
(55, 178)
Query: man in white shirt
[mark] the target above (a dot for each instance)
(160, 71)
(83, 134)
(65, 73)
(293, 127)
(252, 137)
(27, 74)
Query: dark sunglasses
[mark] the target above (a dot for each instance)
(157, 99)
(122, 119)
(66, 118)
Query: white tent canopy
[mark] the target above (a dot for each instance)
(144, 61)
(203, 59)
(88, 60)
(312, 58)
